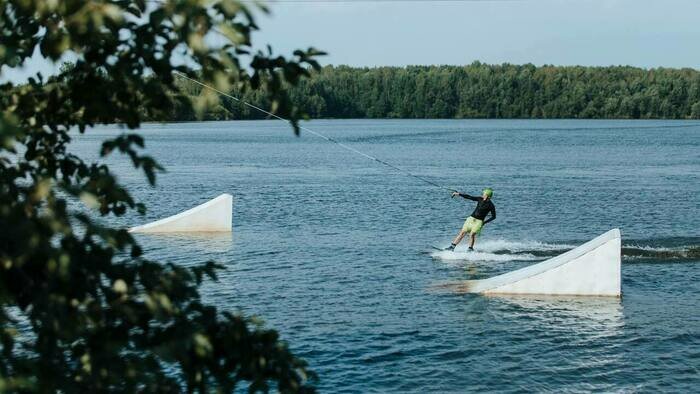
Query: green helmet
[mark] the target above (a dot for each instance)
(488, 191)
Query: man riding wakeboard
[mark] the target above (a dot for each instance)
(475, 222)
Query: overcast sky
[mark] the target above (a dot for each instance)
(645, 33)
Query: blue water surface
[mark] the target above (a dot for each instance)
(333, 249)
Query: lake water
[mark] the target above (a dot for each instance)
(333, 250)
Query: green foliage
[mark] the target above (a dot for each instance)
(485, 91)
(81, 310)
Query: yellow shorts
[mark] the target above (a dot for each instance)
(472, 225)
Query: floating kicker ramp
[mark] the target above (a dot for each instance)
(212, 216)
(592, 269)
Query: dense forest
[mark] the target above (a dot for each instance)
(481, 91)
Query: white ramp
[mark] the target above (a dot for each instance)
(212, 216)
(592, 269)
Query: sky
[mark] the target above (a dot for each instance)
(643, 33)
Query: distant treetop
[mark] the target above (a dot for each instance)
(484, 91)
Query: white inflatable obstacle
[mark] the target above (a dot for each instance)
(592, 269)
(212, 216)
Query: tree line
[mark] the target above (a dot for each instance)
(477, 91)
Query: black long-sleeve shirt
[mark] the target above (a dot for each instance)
(483, 207)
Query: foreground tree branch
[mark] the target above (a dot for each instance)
(81, 309)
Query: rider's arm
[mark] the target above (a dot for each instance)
(493, 216)
(468, 197)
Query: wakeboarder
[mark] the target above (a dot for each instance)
(477, 220)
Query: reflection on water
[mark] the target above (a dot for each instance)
(599, 309)
(179, 244)
(604, 312)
